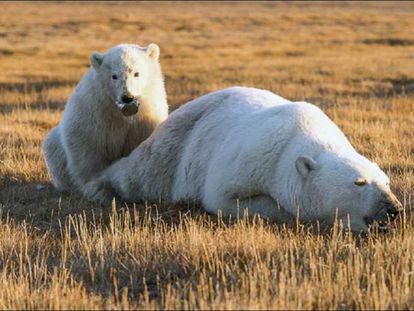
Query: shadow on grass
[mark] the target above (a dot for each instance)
(38, 87)
(46, 209)
(400, 86)
(37, 105)
(389, 41)
(40, 205)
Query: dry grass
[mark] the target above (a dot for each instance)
(355, 60)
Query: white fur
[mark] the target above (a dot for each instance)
(247, 148)
(93, 132)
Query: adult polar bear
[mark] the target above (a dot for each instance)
(115, 106)
(248, 148)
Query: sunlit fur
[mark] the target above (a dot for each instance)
(241, 148)
(93, 132)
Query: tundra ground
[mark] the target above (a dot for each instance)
(354, 60)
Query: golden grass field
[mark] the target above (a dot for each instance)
(354, 60)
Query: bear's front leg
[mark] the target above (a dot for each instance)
(56, 162)
(116, 181)
(100, 190)
(84, 166)
(239, 206)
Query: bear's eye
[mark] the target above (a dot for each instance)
(360, 182)
(136, 75)
(114, 77)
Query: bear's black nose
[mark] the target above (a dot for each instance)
(127, 99)
(393, 209)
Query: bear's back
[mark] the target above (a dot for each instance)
(316, 126)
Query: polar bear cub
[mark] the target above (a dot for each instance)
(247, 148)
(115, 106)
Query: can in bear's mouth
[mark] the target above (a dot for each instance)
(129, 109)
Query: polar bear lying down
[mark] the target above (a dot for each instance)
(248, 148)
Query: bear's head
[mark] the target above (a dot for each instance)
(124, 72)
(349, 188)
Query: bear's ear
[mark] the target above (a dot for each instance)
(153, 51)
(96, 59)
(304, 165)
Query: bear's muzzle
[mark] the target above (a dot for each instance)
(388, 208)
